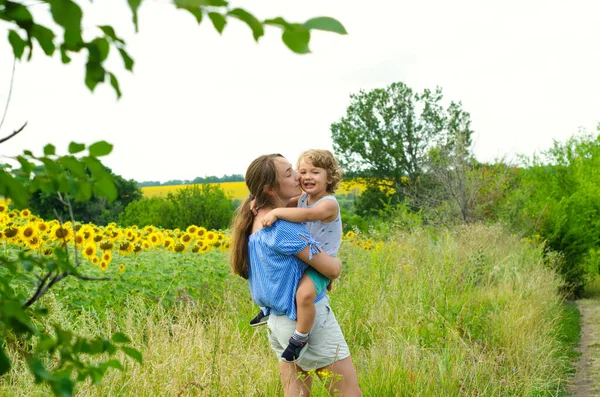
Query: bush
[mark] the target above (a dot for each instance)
(202, 205)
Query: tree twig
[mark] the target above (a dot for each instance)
(12, 79)
(13, 134)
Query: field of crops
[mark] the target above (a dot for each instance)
(238, 190)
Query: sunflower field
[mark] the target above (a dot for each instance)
(157, 263)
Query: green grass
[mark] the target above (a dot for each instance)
(468, 312)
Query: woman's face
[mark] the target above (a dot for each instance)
(289, 182)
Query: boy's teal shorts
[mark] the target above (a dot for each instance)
(321, 282)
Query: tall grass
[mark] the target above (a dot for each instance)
(469, 312)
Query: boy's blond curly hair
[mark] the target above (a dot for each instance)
(324, 159)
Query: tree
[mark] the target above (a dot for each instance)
(97, 210)
(387, 132)
(68, 15)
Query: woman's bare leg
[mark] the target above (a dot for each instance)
(296, 382)
(341, 378)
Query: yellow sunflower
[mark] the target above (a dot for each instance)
(25, 213)
(95, 260)
(179, 247)
(169, 243)
(125, 248)
(103, 265)
(192, 229)
(3, 208)
(186, 238)
(211, 236)
(201, 232)
(122, 267)
(42, 226)
(107, 256)
(106, 245)
(89, 250)
(61, 233)
(26, 232)
(33, 242)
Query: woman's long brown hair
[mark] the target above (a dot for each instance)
(261, 176)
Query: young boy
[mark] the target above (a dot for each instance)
(319, 210)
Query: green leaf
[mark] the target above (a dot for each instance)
(105, 187)
(115, 84)
(135, 5)
(75, 147)
(98, 49)
(84, 191)
(325, 23)
(192, 7)
(101, 148)
(76, 168)
(133, 353)
(67, 14)
(110, 32)
(62, 386)
(49, 150)
(251, 21)
(114, 364)
(4, 361)
(17, 43)
(64, 57)
(296, 39)
(277, 22)
(13, 189)
(18, 13)
(38, 370)
(126, 59)
(94, 74)
(120, 337)
(218, 21)
(45, 37)
(26, 166)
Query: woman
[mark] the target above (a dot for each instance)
(273, 260)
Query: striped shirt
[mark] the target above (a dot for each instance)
(275, 271)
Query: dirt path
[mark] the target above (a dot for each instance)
(586, 382)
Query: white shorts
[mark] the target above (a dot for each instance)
(326, 343)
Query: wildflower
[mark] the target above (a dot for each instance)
(192, 229)
(89, 250)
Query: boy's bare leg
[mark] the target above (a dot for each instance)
(305, 304)
(305, 309)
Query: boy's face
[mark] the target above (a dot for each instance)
(314, 180)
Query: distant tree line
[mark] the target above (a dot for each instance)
(196, 181)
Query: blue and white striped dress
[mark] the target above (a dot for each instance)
(275, 271)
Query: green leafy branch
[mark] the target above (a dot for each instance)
(68, 15)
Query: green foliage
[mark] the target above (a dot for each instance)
(202, 205)
(80, 178)
(97, 210)
(54, 356)
(374, 200)
(67, 15)
(557, 201)
(385, 137)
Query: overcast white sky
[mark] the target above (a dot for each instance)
(201, 104)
